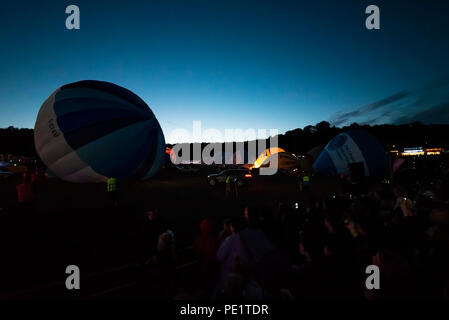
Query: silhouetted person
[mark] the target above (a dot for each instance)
(165, 261)
(25, 193)
(33, 179)
(231, 248)
(153, 228)
(206, 246)
(112, 190)
(241, 284)
(225, 232)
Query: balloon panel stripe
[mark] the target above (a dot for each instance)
(87, 134)
(92, 94)
(115, 154)
(72, 120)
(112, 89)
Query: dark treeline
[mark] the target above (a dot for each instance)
(416, 134)
(21, 142)
(17, 141)
(407, 135)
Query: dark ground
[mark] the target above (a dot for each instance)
(77, 224)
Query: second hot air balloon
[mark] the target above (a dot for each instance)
(353, 146)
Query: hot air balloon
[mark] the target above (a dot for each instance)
(265, 155)
(283, 160)
(90, 130)
(351, 147)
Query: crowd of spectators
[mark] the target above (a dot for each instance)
(319, 247)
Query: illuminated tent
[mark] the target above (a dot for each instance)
(264, 155)
(90, 130)
(285, 160)
(354, 146)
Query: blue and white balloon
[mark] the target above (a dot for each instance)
(90, 130)
(351, 147)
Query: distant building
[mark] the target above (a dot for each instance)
(420, 151)
(433, 151)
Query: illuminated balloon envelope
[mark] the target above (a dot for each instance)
(354, 146)
(90, 130)
(265, 155)
(285, 160)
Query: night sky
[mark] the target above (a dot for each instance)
(234, 64)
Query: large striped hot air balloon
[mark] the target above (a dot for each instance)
(353, 146)
(90, 130)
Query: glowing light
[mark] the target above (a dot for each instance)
(413, 152)
(433, 151)
(264, 155)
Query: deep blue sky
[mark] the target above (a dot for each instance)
(233, 64)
